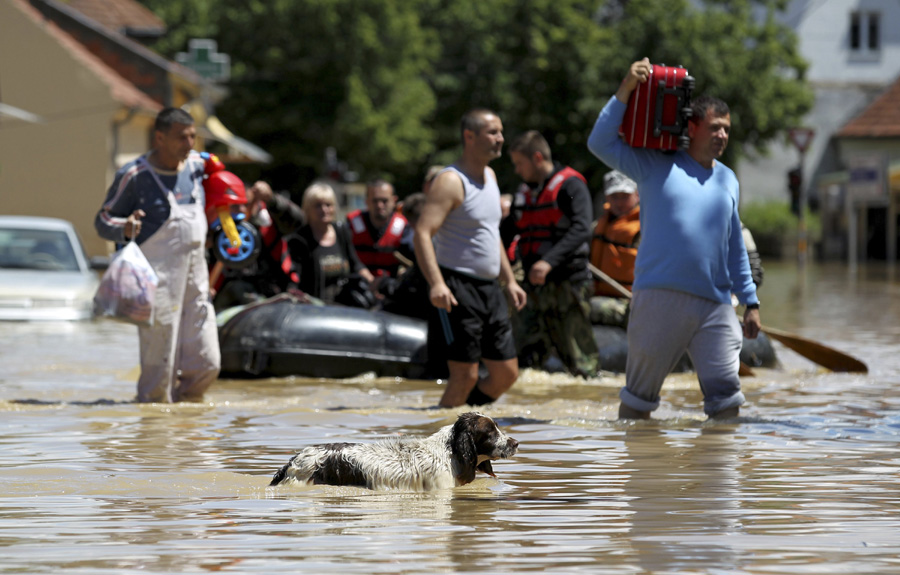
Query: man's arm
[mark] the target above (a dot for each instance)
(604, 141)
(574, 201)
(638, 73)
(742, 284)
(119, 219)
(286, 214)
(445, 195)
(508, 277)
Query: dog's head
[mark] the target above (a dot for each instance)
(476, 441)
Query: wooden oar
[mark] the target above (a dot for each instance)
(743, 368)
(403, 259)
(611, 282)
(818, 353)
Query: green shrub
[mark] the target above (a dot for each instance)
(774, 226)
(776, 219)
(768, 218)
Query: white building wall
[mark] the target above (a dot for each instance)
(845, 82)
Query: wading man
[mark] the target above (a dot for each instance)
(458, 248)
(692, 258)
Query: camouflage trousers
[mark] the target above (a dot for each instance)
(557, 317)
(610, 311)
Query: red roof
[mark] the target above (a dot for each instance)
(120, 15)
(880, 119)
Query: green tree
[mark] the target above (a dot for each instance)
(316, 74)
(184, 20)
(385, 82)
(538, 63)
(735, 49)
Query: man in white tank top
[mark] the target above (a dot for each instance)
(458, 248)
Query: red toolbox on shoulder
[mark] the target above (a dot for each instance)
(659, 109)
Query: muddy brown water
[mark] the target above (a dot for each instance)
(805, 481)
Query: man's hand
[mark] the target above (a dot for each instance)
(262, 192)
(517, 295)
(752, 323)
(537, 276)
(133, 224)
(638, 73)
(441, 297)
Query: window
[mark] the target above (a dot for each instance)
(865, 32)
(873, 31)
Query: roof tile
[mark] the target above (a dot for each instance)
(120, 15)
(880, 119)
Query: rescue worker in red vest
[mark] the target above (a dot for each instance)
(377, 232)
(614, 248)
(552, 214)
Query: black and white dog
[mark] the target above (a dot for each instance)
(448, 458)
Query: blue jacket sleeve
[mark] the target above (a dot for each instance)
(739, 263)
(605, 143)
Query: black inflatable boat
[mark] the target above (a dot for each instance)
(613, 345)
(281, 337)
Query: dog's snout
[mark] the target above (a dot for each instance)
(512, 444)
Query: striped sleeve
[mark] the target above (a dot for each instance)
(121, 201)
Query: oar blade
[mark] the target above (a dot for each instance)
(818, 353)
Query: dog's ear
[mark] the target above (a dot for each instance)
(486, 467)
(462, 445)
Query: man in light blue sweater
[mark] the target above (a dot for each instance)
(692, 258)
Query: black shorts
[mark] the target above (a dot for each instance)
(479, 325)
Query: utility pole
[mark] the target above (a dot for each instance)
(801, 138)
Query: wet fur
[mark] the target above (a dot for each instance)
(448, 458)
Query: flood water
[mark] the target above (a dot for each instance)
(805, 481)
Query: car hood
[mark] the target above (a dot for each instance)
(47, 284)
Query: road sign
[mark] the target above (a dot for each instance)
(801, 137)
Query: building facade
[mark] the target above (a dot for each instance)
(853, 50)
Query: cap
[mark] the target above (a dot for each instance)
(615, 182)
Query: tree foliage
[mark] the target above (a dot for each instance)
(385, 82)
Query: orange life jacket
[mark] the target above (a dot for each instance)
(540, 214)
(614, 249)
(377, 255)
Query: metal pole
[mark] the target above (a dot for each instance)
(801, 218)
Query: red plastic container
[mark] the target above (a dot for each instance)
(659, 109)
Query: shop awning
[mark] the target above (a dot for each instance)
(238, 147)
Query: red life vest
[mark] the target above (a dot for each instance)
(377, 255)
(540, 214)
(614, 249)
(278, 250)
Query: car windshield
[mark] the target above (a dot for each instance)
(48, 250)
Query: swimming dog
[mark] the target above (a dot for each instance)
(448, 458)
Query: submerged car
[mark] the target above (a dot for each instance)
(44, 272)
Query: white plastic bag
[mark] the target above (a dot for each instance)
(128, 288)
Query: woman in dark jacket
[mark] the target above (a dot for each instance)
(322, 251)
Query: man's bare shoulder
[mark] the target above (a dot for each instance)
(447, 188)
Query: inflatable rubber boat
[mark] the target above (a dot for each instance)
(282, 337)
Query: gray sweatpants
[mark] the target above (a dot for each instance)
(663, 325)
